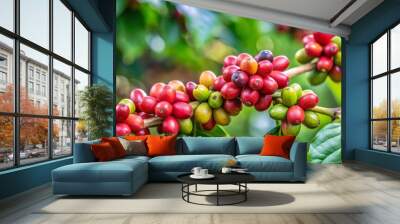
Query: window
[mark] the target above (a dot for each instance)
(42, 123)
(385, 96)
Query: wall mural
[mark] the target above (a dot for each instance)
(194, 72)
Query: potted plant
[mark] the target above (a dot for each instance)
(96, 103)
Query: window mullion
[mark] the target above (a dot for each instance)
(73, 81)
(389, 104)
(50, 81)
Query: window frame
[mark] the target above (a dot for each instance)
(16, 115)
(388, 74)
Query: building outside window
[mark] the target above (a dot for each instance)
(57, 126)
(385, 95)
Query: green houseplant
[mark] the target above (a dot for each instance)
(96, 103)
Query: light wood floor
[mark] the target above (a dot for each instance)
(378, 188)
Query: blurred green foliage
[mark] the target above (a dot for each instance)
(160, 41)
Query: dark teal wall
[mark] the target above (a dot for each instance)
(99, 15)
(356, 86)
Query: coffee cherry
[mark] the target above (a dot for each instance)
(280, 63)
(316, 78)
(295, 115)
(278, 112)
(324, 64)
(230, 60)
(302, 57)
(135, 122)
(263, 103)
(308, 38)
(338, 59)
(136, 96)
(233, 107)
(338, 41)
(230, 91)
(269, 86)
(280, 78)
(265, 55)
(264, 68)
(142, 132)
(241, 57)
(311, 119)
(331, 49)
(221, 117)
(336, 74)
(249, 97)
(122, 129)
(308, 101)
(177, 85)
(182, 110)
(167, 93)
(190, 86)
(240, 78)
(163, 109)
(203, 113)
(185, 126)
(215, 100)
(209, 125)
(218, 83)
(249, 65)
(322, 38)
(148, 104)
(289, 129)
(298, 89)
(228, 71)
(201, 93)
(289, 96)
(313, 49)
(181, 97)
(256, 82)
(156, 89)
(207, 78)
(170, 126)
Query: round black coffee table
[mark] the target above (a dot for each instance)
(238, 179)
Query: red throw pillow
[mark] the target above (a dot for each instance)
(116, 145)
(161, 145)
(103, 152)
(277, 146)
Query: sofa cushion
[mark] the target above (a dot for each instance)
(277, 146)
(257, 163)
(207, 145)
(185, 163)
(112, 171)
(249, 145)
(103, 152)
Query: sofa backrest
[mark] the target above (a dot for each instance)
(206, 145)
(83, 153)
(249, 145)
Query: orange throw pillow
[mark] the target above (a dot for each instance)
(136, 137)
(116, 145)
(161, 145)
(103, 152)
(277, 146)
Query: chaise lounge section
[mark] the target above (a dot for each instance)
(125, 176)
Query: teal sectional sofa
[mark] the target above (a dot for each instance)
(125, 176)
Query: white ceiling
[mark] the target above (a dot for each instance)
(318, 15)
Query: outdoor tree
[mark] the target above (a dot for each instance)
(33, 131)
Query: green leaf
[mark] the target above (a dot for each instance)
(217, 131)
(326, 145)
(274, 131)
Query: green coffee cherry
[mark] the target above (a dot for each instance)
(194, 104)
(302, 57)
(311, 119)
(338, 41)
(297, 88)
(317, 78)
(290, 129)
(338, 58)
(203, 113)
(289, 96)
(278, 112)
(186, 126)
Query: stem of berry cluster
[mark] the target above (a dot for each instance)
(152, 122)
(299, 70)
(332, 112)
